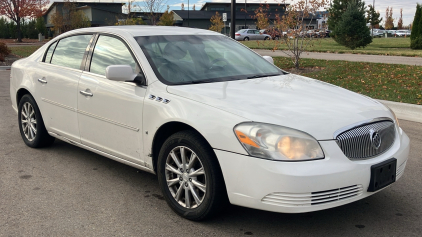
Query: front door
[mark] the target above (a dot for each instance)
(110, 112)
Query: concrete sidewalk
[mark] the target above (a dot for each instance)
(415, 61)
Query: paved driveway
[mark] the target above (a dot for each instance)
(67, 191)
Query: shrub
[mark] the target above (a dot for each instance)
(4, 51)
(416, 43)
(351, 31)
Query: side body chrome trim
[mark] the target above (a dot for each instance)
(91, 115)
(358, 124)
(58, 104)
(118, 159)
(109, 121)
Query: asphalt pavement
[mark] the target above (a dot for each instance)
(64, 190)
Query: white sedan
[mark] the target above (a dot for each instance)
(214, 120)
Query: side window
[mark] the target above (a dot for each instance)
(50, 51)
(250, 32)
(111, 51)
(70, 51)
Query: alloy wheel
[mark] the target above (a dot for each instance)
(185, 176)
(29, 121)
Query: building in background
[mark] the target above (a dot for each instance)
(201, 18)
(99, 13)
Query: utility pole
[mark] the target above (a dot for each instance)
(372, 20)
(188, 13)
(233, 20)
(245, 14)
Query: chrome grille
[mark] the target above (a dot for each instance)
(356, 143)
(314, 198)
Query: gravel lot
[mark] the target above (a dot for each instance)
(67, 191)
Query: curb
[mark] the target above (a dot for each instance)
(405, 111)
(4, 68)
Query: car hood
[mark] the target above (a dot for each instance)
(305, 104)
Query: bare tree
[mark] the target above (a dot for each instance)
(293, 26)
(152, 7)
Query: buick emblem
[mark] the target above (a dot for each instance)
(375, 138)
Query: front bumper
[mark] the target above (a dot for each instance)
(294, 187)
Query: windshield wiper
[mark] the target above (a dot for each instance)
(262, 75)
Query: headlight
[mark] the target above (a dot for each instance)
(277, 143)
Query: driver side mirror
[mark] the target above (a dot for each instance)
(269, 59)
(124, 73)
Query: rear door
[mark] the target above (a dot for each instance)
(110, 112)
(251, 34)
(57, 79)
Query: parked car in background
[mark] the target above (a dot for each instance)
(401, 33)
(251, 34)
(275, 34)
(375, 34)
(215, 121)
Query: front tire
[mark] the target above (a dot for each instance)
(31, 124)
(267, 38)
(190, 177)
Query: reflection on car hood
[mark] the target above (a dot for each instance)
(309, 105)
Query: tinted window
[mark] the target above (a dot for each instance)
(70, 51)
(111, 51)
(50, 53)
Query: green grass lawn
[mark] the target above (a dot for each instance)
(23, 51)
(401, 83)
(379, 46)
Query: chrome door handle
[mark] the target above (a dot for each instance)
(43, 81)
(86, 93)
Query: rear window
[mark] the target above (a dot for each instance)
(70, 51)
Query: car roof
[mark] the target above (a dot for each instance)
(141, 30)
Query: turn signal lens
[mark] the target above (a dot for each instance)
(277, 143)
(245, 140)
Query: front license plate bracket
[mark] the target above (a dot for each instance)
(383, 174)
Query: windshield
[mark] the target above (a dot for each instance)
(188, 59)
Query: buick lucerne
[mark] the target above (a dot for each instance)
(216, 122)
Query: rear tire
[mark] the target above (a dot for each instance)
(31, 124)
(190, 177)
(246, 39)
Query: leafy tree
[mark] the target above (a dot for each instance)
(261, 16)
(69, 18)
(40, 25)
(416, 36)
(336, 10)
(389, 21)
(352, 31)
(167, 19)
(19, 10)
(372, 17)
(217, 23)
(400, 21)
